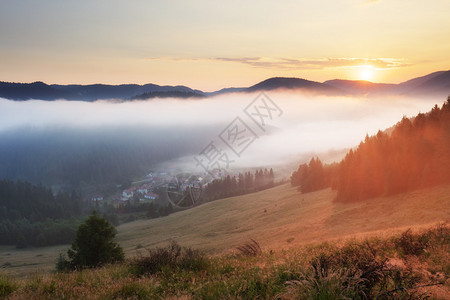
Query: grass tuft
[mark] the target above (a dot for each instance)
(7, 286)
(251, 248)
(173, 257)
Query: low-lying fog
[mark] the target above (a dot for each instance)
(175, 128)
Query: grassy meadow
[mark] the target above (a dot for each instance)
(411, 265)
(295, 231)
(278, 218)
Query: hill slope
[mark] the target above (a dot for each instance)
(411, 83)
(283, 217)
(438, 85)
(280, 217)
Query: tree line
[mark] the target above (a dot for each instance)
(414, 154)
(31, 215)
(244, 183)
(313, 176)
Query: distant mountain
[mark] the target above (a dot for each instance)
(168, 94)
(226, 91)
(419, 80)
(25, 91)
(361, 87)
(294, 83)
(40, 90)
(436, 84)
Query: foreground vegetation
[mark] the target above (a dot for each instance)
(410, 265)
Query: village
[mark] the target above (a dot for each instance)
(159, 193)
(153, 188)
(142, 191)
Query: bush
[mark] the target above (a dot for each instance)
(62, 265)
(412, 244)
(362, 262)
(353, 272)
(172, 257)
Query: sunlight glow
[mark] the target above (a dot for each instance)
(366, 73)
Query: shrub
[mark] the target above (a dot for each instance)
(354, 272)
(172, 257)
(62, 264)
(439, 234)
(362, 262)
(412, 244)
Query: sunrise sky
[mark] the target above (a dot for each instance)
(214, 44)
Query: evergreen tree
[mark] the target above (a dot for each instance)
(93, 245)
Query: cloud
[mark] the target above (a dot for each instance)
(320, 63)
(302, 63)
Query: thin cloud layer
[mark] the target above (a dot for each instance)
(302, 63)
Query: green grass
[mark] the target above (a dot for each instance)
(358, 269)
(7, 286)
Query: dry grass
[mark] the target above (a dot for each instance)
(251, 248)
(282, 218)
(20, 262)
(374, 268)
(172, 257)
(278, 218)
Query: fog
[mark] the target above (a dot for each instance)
(181, 129)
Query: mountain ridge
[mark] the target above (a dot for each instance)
(91, 92)
(292, 83)
(435, 84)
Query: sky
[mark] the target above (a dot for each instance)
(209, 45)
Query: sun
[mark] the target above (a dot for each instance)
(366, 73)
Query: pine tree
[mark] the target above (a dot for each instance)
(93, 245)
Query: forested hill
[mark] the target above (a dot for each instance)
(92, 92)
(20, 200)
(33, 215)
(414, 155)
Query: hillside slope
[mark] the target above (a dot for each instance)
(280, 217)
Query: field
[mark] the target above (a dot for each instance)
(278, 218)
(283, 218)
(414, 264)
